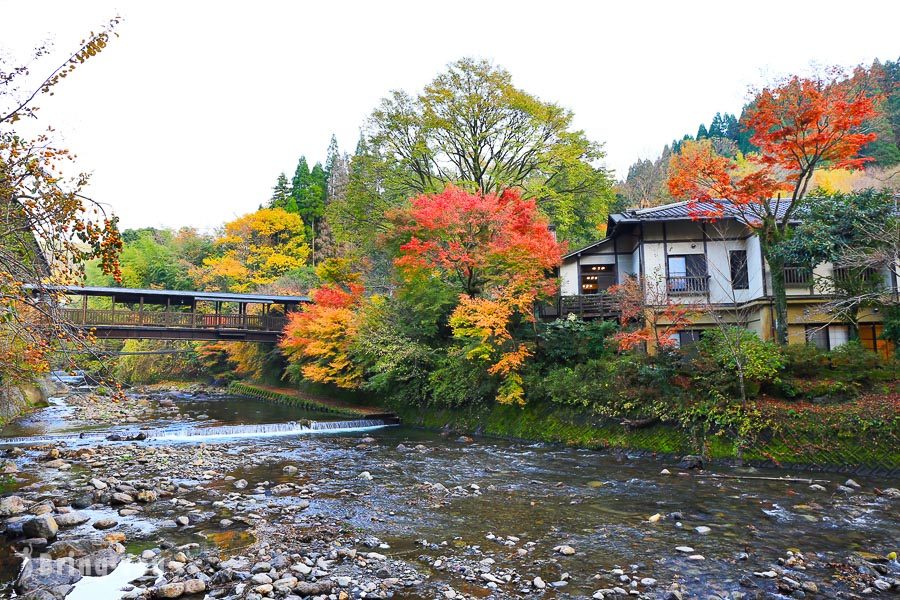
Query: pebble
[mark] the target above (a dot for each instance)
(702, 529)
(565, 550)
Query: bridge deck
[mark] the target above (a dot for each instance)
(176, 314)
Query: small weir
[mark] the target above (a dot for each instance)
(205, 433)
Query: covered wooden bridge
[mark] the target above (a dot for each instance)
(126, 313)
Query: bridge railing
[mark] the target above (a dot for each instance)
(172, 319)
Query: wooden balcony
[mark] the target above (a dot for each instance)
(797, 277)
(589, 306)
(693, 285)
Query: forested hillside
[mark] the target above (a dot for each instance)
(645, 183)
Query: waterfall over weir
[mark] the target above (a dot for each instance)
(200, 434)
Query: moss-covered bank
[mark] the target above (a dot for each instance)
(811, 442)
(20, 398)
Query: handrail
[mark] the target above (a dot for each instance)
(683, 285)
(172, 319)
(797, 277)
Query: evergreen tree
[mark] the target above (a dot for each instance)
(702, 133)
(717, 126)
(281, 193)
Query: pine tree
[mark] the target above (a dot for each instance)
(702, 133)
(281, 193)
(717, 126)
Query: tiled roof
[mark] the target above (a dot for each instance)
(578, 251)
(684, 210)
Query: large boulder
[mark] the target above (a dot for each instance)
(11, 505)
(43, 526)
(99, 563)
(691, 461)
(71, 519)
(55, 577)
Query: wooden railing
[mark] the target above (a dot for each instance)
(797, 277)
(590, 305)
(687, 285)
(186, 320)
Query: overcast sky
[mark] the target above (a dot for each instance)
(188, 117)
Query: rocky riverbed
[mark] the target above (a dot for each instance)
(406, 514)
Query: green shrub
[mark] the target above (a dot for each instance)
(573, 340)
(854, 359)
(737, 350)
(457, 381)
(805, 360)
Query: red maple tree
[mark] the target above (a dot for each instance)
(479, 241)
(799, 125)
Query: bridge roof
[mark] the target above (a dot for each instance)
(177, 297)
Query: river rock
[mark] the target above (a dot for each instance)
(121, 498)
(691, 461)
(817, 488)
(147, 496)
(538, 583)
(702, 529)
(105, 523)
(290, 470)
(53, 576)
(852, 484)
(891, 492)
(194, 586)
(565, 550)
(97, 484)
(71, 519)
(11, 505)
(99, 563)
(240, 484)
(306, 588)
(366, 476)
(43, 526)
(170, 590)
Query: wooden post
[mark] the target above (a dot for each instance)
(84, 310)
(193, 312)
(141, 311)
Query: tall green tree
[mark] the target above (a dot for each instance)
(281, 193)
(472, 127)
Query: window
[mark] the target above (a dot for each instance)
(687, 274)
(827, 337)
(817, 336)
(740, 278)
(690, 265)
(686, 337)
(596, 278)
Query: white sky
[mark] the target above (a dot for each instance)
(189, 116)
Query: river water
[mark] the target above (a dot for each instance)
(454, 508)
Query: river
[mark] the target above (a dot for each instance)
(405, 513)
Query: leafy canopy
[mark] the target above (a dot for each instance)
(473, 128)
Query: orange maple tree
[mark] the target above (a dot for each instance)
(317, 339)
(799, 125)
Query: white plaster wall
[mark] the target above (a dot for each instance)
(568, 278)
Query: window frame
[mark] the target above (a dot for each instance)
(740, 280)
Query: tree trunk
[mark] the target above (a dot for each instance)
(780, 299)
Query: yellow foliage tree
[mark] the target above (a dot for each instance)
(255, 250)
